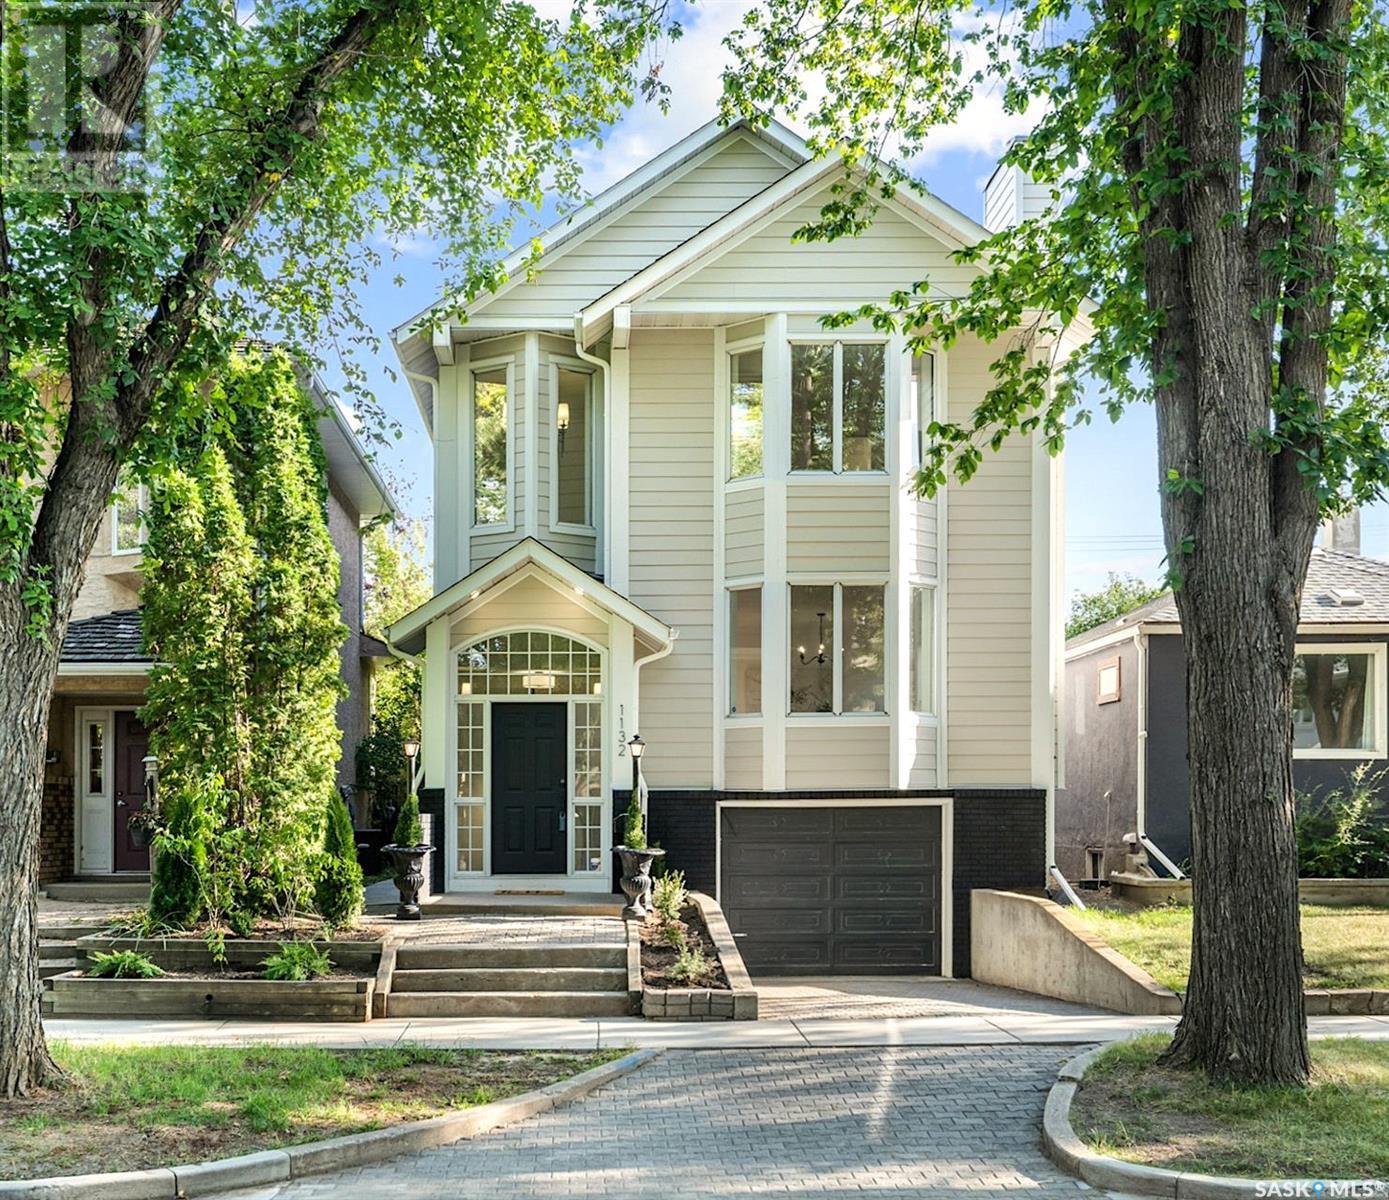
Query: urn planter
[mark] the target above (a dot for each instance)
(407, 866)
(141, 833)
(636, 879)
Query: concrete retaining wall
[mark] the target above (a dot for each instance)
(1029, 943)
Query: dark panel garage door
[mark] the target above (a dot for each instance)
(822, 890)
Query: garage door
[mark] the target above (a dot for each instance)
(823, 890)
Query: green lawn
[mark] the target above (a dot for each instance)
(1336, 1129)
(125, 1108)
(1343, 947)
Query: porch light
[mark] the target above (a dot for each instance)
(540, 681)
(411, 746)
(636, 746)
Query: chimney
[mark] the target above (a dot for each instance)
(1010, 197)
(1342, 533)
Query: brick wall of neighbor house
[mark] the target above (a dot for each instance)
(354, 712)
(56, 821)
(1169, 818)
(1099, 803)
(999, 841)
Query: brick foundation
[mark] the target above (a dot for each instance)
(56, 833)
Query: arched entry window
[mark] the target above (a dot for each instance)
(539, 665)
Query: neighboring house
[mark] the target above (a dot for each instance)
(667, 500)
(94, 779)
(1125, 714)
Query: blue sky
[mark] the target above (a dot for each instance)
(1112, 520)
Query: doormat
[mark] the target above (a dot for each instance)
(529, 892)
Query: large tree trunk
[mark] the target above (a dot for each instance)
(79, 488)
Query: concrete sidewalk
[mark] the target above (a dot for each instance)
(502, 1033)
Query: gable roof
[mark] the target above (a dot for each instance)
(1329, 573)
(408, 633)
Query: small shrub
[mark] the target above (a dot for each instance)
(338, 886)
(668, 896)
(123, 964)
(297, 961)
(215, 939)
(409, 829)
(672, 933)
(1343, 833)
(634, 835)
(691, 966)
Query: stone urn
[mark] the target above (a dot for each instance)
(407, 868)
(636, 879)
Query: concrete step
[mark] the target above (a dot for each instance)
(108, 892)
(48, 967)
(512, 979)
(439, 956)
(507, 1004)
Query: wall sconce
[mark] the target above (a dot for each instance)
(562, 421)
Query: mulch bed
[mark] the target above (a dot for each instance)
(657, 958)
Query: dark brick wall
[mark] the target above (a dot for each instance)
(56, 833)
(432, 806)
(1000, 839)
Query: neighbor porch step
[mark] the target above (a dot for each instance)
(511, 979)
(507, 1004)
(438, 956)
(116, 892)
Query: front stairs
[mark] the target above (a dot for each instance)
(517, 980)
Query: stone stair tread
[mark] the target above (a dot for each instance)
(508, 1004)
(509, 979)
(438, 956)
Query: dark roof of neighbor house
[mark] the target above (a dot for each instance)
(1329, 597)
(108, 638)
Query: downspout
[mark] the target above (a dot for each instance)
(1140, 641)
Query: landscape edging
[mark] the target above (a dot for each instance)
(1068, 1152)
(294, 1162)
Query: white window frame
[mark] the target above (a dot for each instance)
(141, 495)
(452, 800)
(836, 470)
(925, 585)
(755, 585)
(593, 434)
(731, 351)
(483, 367)
(1379, 652)
(920, 417)
(837, 712)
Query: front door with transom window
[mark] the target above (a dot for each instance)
(529, 795)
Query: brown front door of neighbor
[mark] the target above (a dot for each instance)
(132, 745)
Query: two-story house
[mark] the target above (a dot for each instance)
(669, 502)
(94, 777)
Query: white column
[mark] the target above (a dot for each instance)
(529, 526)
(901, 421)
(776, 459)
(619, 440)
(449, 481)
(720, 596)
(436, 704)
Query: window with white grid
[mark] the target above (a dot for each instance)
(471, 765)
(588, 785)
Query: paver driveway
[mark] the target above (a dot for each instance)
(937, 1122)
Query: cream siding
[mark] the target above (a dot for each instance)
(530, 604)
(989, 599)
(742, 757)
(922, 539)
(672, 545)
(893, 252)
(838, 528)
(923, 768)
(654, 225)
(743, 533)
(844, 754)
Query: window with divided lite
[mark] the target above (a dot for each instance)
(543, 665)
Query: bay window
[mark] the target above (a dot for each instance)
(745, 651)
(838, 406)
(491, 447)
(837, 660)
(1338, 701)
(573, 477)
(745, 414)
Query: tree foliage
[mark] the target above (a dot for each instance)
(1215, 243)
(1120, 595)
(241, 615)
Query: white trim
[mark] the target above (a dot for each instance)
(104, 668)
(475, 368)
(719, 598)
(837, 340)
(94, 813)
(141, 504)
(947, 851)
(776, 626)
(530, 463)
(619, 515)
(1378, 653)
(836, 647)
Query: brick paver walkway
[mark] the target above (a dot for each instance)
(806, 1123)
